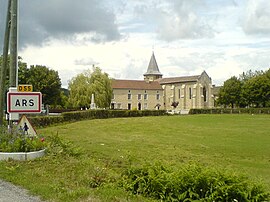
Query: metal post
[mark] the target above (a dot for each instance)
(4, 64)
(13, 45)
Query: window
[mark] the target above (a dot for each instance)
(139, 106)
(190, 93)
(113, 97)
(179, 93)
(139, 96)
(145, 106)
(204, 94)
(145, 96)
(129, 95)
(129, 106)
(158, 95)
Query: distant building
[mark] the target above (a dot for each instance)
(155, 92)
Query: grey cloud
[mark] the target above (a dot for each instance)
(85, 62)
(175, 19)
(257, 17)
(184, 20)
(41, 20)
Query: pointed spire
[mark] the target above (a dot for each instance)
(153, 67)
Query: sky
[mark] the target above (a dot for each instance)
(224, 38)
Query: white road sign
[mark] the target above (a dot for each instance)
(24, 102)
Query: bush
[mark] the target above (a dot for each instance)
(17, 142)
(192, 182)
(43, 121)
(231, 111)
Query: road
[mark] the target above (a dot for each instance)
(11, 193)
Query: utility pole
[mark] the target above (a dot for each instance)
(13, 81)
(3, 75)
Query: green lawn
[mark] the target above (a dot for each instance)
(108, 146)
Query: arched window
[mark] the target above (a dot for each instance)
(204, 94)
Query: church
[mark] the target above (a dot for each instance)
(155, 92)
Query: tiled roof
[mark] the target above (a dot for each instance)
(152, 67)
(135, 84)
(179, 79)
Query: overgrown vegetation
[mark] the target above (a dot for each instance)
(15, 141)
(192, 182)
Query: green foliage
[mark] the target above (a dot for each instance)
(190, 183)
(230, 91)
(57, 146)
(44, 121)
(251, 89)
(257, 91)
(47, 82)
(231, 111)
(90, 82)
(16, 142)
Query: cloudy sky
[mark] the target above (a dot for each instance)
(224, 38)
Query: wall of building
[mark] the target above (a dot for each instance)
(189, 95)
(121, 99)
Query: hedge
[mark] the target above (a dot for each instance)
(43, 121)
(231, 111)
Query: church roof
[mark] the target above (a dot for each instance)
(152, 67)
(135, 84)
(179, 79)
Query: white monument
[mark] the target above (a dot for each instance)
(92, 105)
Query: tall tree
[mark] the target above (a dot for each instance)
(87, 83)
(230, 92)
(44, 80)
(257, 91)
(101, 87)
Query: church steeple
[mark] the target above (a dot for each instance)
(153, 72)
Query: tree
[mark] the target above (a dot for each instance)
(257, 91)
(230, 92)
(87, 83)
(44, 80)
(245, 76)
(101, 87)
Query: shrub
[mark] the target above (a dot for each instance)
(230, 111)
(43, 121)
(57, 146)
(17, 142)
(192, 182)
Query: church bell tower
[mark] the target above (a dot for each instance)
(153, 72)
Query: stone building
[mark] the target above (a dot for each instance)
(155, 92)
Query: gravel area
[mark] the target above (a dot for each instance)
(12, 193)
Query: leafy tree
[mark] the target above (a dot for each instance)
(245, 76)
(257, 91)
(230, 92)
(101, 87)
(79, 88)
(85, 84)
(44, 80)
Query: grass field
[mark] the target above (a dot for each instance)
(236, 142)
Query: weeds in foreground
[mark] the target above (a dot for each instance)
(192, 182)
(16, 141)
